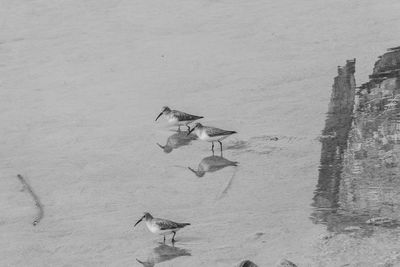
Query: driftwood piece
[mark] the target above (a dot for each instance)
(35, 198)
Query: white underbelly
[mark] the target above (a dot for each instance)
(205, 137)
(154, 229)
(174, 121)
(166, 232)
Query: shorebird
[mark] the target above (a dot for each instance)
(176, 117)
(210, 134)
(161, 226)
(212, 164)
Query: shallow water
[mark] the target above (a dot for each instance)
(84, 82)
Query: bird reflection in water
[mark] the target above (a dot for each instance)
(163, 253)
(178, 139)
(212, 164)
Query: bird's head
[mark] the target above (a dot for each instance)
(196, 126)
(164, 110)
(147, 216)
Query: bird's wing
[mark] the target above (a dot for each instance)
(166, 224)
(182, 116)
(212, 131)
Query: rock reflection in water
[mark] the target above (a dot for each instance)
(334, 143)
(163, 253)
(177, 140)
(212, 164)
(358, 177)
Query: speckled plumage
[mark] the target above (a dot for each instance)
(178, 118)
(161, 226)
(184, 117)
(215, 132)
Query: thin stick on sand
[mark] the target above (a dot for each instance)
(35, 198)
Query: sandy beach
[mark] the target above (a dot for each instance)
(81, 83)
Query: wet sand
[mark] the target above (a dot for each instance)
(83, 82)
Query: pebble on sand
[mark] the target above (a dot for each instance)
(247, 263)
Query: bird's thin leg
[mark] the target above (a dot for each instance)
(220, 143)
(164, 239)
(179, 128)
(212, 147)
(188, 127)
(173, 237)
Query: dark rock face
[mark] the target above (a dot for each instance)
(390, 61)
(360, 162)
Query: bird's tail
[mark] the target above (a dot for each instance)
(229, 132)
(184, 224)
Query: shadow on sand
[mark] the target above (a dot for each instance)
(176, 140)
(163, 253)
(212, 164)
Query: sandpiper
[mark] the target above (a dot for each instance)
(161, 226)
(210, 134)
(176, 117)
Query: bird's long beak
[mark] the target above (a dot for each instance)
(138, 221)
(158, 116)
(191, 130)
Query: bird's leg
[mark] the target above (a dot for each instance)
(164, 239)
(173, 237)
(220, 143)
(188, 127)
(212, 147)
(179, 128)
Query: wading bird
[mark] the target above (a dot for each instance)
(161, 226)
(176, 117)
(210, 134)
